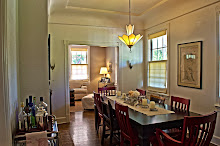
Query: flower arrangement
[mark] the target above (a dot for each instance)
(134, 94)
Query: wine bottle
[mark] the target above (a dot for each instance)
(21, 117)
(42, 103)
(27, 111)
(33, 114)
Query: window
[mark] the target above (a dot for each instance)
(79, 64)
(157, 65)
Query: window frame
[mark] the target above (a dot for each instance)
(88, 62)
(151, 49)
(149, 56)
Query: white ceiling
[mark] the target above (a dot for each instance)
(121, 7)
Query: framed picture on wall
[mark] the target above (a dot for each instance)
(190, 65)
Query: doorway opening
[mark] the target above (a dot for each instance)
(84, 64)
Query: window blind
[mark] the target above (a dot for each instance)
(78, 49)
(79, 72)
(158, 34)
(157, 80)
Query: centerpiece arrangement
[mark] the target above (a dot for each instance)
(132, 97)
(133, 94)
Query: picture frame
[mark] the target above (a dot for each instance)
(190, 65)
(103, 79)
(107, 80)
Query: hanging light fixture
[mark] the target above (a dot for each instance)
(130, 39)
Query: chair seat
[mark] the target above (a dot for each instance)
(175, 133)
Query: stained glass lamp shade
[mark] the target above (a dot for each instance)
(130, 39)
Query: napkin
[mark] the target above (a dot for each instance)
(37, 139)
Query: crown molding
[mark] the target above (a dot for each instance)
(115, 12)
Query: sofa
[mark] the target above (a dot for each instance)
(79, 89)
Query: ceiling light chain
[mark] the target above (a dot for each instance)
(129, 11)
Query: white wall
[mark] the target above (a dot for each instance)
(93, 35)
(33, 53)
(199, 25)
(97, 60)
(110, 58)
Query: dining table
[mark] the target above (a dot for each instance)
(146, 125)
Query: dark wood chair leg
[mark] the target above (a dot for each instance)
(96, 118)
(98, 124)
(103, 133)
(122, 141)
(111, 135)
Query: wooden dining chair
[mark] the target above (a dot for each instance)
(157, 99)
(110, 121)
(200, 131)
(181, 104)
(126, 130)
(142, 92)
(107, 91)
(98, 110)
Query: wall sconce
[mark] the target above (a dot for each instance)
(129, 64)
(52, 64)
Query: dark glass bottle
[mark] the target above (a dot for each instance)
(26, 108)
(30, 102)
(33, 114)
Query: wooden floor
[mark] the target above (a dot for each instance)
(77, 108)
(81, 130)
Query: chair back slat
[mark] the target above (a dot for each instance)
(123, 120)
(180, 103)
(200, 129)
(142, 92)
(98, 102)
(107, 91)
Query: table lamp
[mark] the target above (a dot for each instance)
(104, 71)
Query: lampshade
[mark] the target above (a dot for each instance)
(103, 70)
(130, 39)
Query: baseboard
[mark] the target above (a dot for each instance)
(61, 120)
(215, 140)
